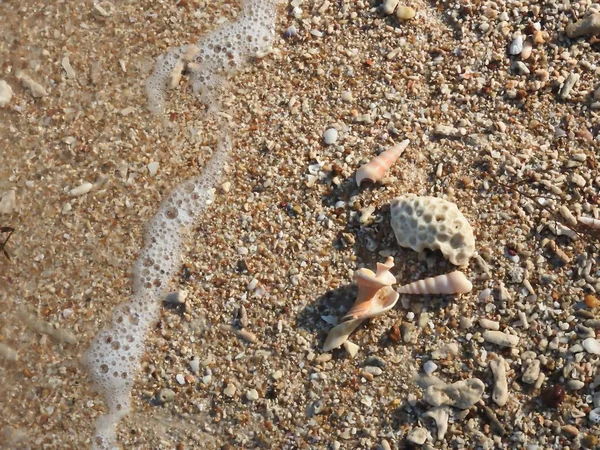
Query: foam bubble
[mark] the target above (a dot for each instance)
(113, 358)
(216, 55)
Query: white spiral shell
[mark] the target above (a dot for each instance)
(451, 283)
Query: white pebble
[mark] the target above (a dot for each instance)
(330, 136)
(500, 338)
(5, 93)
(177, 297)
(66, 64)
(595, 415)
(592, 346)
(153, 168)
(180, 379)
(429, 367)
(83, 189)
(229, 391)
(195, 365)
(252, 395)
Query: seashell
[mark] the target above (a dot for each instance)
(340, 333)
(589, 222)
(516, 46)
(375, 169)
(527, 49)
(383, 300)
(375, 296)
(451, 283)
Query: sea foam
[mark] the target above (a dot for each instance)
(113, 359)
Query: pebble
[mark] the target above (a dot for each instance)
(405, 13)
(376, 361)
(252, 395)
(34, 87)
(153, 168)
(384, 445)
(489, 324)
(500, 392)
(531, 371)
(389, 6)
(570, 81)
(177, 297)
(570, 430)
(408, 332)
(277, 375)
(591, 345)
(229, 390)
(500, 338)
(376, 371)
(574, 385)
(330, 136)
(417, 436)
(5, 93)
(195, 365)
(446, 131)
(8, 202)
(594, 415)
(66, 65)
(8, 353)
(80, 190)
(429, 367)
(180, 379)
(351, 348)
(166, 395)
(347, 96)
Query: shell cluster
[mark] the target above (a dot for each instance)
(434, 223)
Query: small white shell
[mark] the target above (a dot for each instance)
(589, 221)
(375, 169)
(451, 283)
(516, 46)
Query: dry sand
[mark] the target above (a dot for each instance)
(301, 238)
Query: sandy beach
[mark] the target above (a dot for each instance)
(502, 110)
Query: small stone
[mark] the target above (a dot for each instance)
(429, 367)
(226, 187)
(166, 395)
(153, 168)
(8, 353)
(229, 390)
(408, 332)
(351, 348)
(417, 436)
(8, 201)
(447, 131)
(252, 395)
(570, 430)
(195, 365)
(489, 324)
(376, 371)
(277, 375)
(570, 81)
(180, 379)
(177, 297)
(531, 371)
(347, 96)
(384, 445)
(591, 346)
(330, 136)
(34, 87)
(574, 385)
(80, 190)
(389, 6)
(66, 64)
(500, 338)
(376, 361)
(5, 93)
(405, 13)
(594, 415)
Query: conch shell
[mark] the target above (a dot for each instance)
(589, 222)
(451, 283)
(375, 296)
(375, 169)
